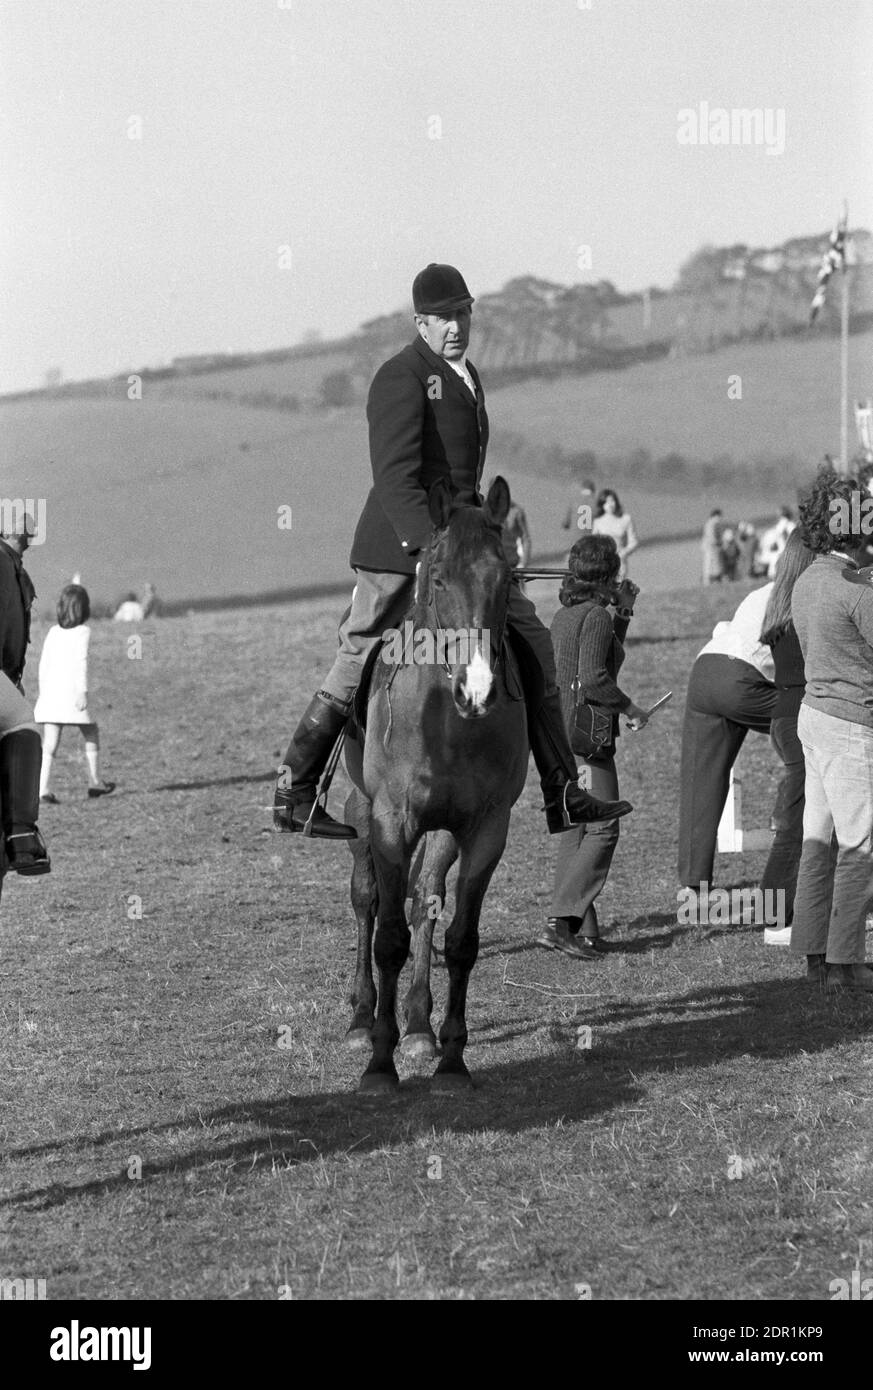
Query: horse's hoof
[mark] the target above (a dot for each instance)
(451, 1081)
(418, 1045)
(378, 1083)
(358, 1040)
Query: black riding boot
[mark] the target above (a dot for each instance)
(20, 762)
(566, 802)
(306, 759)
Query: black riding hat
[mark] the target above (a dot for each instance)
(439, 288)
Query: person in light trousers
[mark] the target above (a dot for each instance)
(832, 610)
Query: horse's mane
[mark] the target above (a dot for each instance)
(467, 528)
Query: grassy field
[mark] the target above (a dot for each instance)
(179, 1118)
(185, 490)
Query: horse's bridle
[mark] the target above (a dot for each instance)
(431, 605)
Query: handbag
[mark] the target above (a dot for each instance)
(591, 727)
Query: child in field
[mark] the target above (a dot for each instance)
(63, 690)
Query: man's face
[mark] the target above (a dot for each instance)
(18, 542)
(446, 334)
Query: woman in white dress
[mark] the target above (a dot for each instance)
(63, 690)
(612, 520)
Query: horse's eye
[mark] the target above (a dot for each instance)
(438, 583)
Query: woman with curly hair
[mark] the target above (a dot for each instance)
(588, 654)
(832, 610)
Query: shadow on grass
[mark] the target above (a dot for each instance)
(768, 1019)
(240, 780)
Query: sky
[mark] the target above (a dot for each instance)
(186, 176)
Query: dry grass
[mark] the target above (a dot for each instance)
(157, 1039)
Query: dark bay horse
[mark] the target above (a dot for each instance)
(445, 755)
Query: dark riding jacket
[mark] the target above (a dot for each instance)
(424, 425)
(16, 597)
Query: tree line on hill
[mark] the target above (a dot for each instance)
(537, 328)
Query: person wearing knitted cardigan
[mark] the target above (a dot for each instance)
(588, 654)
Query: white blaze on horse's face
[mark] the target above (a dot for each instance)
(477, 683)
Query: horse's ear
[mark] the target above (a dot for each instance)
(497, 501)
(439, 501)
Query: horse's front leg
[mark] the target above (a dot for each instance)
(365, 904)
(480, 855)
(428, 901)
(391, 948)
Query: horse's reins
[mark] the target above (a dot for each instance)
(430, 603)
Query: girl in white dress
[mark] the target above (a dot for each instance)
(63, 690)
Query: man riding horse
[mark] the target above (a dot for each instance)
(427, 420)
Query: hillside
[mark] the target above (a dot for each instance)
(186, 485)
(185, 491)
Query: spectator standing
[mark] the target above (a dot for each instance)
(779, 634)
(731, 552)
(610, 519)
(731, 691)
(774, 539)
(129, 610)
(579, 517)
(748, 541)
(588, 652)
(150, 606)
(63, 690)
(710, 544)
(832, 609)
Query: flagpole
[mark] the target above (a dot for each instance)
(844, 370)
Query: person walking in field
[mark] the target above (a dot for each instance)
(588, 655)
(579, 516)
(24, 849)
(427, 419)
(63, 690)
(610, 519)
(710, 545)
(516, 539)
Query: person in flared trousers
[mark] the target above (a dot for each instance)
(588, 652)
(731, 691)
(783, 862)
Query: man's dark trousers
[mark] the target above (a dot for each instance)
(726, 698)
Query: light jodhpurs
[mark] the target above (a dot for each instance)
(16, 711)
(382, 601)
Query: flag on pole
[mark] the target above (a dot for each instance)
(833, 259)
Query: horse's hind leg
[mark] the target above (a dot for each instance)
(427, 903)
(364, 902)
(479, 858)
(391, 948)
